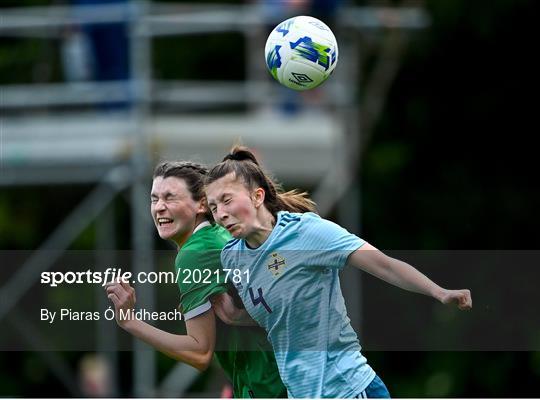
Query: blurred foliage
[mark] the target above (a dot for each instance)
(29, 214)
(451, 165)
(26, 3)
(453, 156)
(29, 60)
(174, 57)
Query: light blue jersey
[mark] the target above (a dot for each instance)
(294, 293)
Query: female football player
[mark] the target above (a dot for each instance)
(180, 214)
(292, 286)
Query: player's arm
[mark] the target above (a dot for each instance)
(226, 310)
(403, 275)
(196, 348)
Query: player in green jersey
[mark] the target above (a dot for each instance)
(181, 215)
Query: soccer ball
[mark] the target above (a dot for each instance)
(301, 53)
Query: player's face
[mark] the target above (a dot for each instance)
(173, 209)
(232, 205)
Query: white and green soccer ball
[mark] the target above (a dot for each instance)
(301, 52)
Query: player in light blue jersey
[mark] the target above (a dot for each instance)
(289, 260)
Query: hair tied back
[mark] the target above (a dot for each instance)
(241, 154)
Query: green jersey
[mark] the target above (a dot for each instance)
(244, 353)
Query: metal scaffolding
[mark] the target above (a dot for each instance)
(116, 150)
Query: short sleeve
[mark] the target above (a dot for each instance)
(197, 280)
(330, 243)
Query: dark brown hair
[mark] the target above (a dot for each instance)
(243, 163)
(192, 173)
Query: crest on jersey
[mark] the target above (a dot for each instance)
(276, 265)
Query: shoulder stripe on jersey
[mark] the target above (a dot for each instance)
(283, 223)
(231, 243)
(286, 219)
(289, 218)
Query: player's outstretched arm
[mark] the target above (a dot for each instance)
(223, 305)
(403, 275)
(196, 348)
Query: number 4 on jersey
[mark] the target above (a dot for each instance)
(259, 300)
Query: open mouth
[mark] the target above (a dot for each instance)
(164, 221)
(230, 226)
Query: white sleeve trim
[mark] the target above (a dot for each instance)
(198, 311)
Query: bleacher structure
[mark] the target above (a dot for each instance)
(46, 138)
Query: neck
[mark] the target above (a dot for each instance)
(198, 220)
(201, 225)
(263, 228)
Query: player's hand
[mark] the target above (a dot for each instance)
(123, 297)
(460, 297)
(224, 308)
